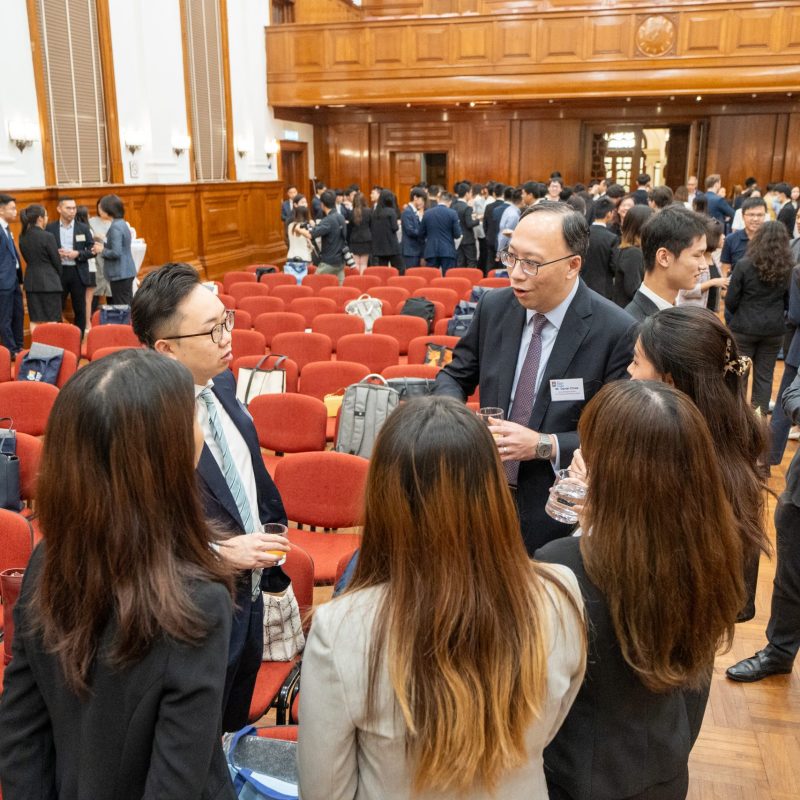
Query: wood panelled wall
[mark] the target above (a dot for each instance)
(213, 226)
(518, 145)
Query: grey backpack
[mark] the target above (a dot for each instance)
(365, 407)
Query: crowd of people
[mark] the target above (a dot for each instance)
(480, 647)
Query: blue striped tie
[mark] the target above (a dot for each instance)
(231, 475)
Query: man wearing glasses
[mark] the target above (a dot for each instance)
(174, 314)
(540, 350)
(754, 212)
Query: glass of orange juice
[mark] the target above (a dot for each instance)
(278, 530)
(490, 412)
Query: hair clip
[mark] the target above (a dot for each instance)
(738, 366)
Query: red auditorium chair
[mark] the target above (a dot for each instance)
(317, 282)
(472, 274)
(288, 293)
(447, 297)
(69, 366)
(410, 371)
(288, 366)
(402, 328)
(260, 305)
(408, 282)
(242, 321)
(426, 273)
(16, 546)
(58, 334)
(341, 295)
(326, 377)
(228, 300)
(29, 452)
(384, 273)
(440, 328)
(492, 273)
(302, 347)
(391, 294)
(310, 307)
(5, 364)
(247, 343)
(337, 325)
(236, 276)
(28, 403)
(363, 282)
(273, 279)
(373, 349)
(333, 498)
(102, 352)
(238, 291)
(418, 347)
(461, 286)
(272, 323)
(110, 336)
(495, 283)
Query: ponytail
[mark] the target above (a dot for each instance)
(30, 215)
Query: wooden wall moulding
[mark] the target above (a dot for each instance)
(620, 48)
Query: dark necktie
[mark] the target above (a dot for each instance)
(526, 388)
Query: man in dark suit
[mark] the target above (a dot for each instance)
(641, 195)
(440, 229)
(491, 222)
(467, 253)
(286, 206)
(600, 263)
(539, 350)
(718, 206)
(413, 243)
(175, 315)
(673, 249)
(75, 241)
(788, 212)
(11, 310)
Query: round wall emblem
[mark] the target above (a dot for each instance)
(655, 36)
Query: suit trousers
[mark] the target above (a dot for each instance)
(780, 424)
(12, 320)
(764, 352)
(783, 628)
(443, 262)
(74, 289)
(122, 292)
(489, 255)
(244, 657)
(467, 255)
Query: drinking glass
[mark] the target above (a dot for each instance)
(278, 530)
(567, 492)
(489, 412)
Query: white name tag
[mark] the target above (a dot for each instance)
(567, 389)
(81, 237)
(92, 264)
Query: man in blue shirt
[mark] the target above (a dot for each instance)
(754, 212)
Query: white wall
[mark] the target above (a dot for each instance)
(18, 99)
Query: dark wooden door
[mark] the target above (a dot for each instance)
(406, 173)
(677, 152)
(294, 165)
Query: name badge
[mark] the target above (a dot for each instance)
(80, 237)
(567, 389)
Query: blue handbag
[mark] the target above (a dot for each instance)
(297, 269)
(115, 315)
(261, 769)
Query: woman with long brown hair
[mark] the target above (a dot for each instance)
(122, 628)
(451, 659)
(359, 232)
(660, 568)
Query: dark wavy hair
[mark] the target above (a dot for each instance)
(770, 253)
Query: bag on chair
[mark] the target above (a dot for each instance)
(264, 271)
(408, 388)
(297, 269)
(366, 307)
(255, 381)
(366, 406)
(260, 768)
(283, 628)
(461, 319)
(41, 363)
(9, 468)
(420, 307)
(10, 586)
(115, 315)
(438, 355)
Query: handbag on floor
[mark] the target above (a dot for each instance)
(261, 769)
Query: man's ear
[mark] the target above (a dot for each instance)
(663, 257)
(164, 347)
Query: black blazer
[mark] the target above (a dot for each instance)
(491, 221)
(384, 227)
(83, 241)
(466, 221)
(619, 738)
(595, 343)
(756, 308)
(149, 730)
(43, 270)
(600, 261)
(629, 274)
(641, 307)
(787, 216)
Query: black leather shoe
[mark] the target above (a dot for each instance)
(763, 664)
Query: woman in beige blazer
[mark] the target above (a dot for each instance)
(451, 660)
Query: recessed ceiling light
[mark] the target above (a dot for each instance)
(699, 98)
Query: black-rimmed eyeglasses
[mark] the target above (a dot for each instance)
(510, 261)
(215, 333)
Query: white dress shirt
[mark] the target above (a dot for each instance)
(657, 299)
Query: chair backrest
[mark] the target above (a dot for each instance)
(341, 295)
(344, 560)
(317, 282)
(242, 321)
(29, 452)
(407, 282)
(332, 498)
(236, 276)
(273, 279)
(16, 541)
(5, 364)
(440, 326)
(426, 273)
(375, 350)
(419, 346)
(472, 274)
(325, 377)
(102, 352)
(256, 267)
(272, 323)
(28, 403)
(110, 336)
(391, 294)
(410, 371)
(58, 334)
(228, 300)
(238, 291)
(303, 348)
(299, 566)
(337, 325)
(362, 282)
(311, 307)
(260, 305)
(288, 293)
(288, 366)
(402, 328)
(69, 366)
(247, 343)
(289, 423)
(492, 273)
(447, 297)
(495, 283)
(384, 273)
(461, 286)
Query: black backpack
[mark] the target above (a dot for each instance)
(420, 307)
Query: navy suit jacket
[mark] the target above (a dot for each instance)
(595, 343)
(413, 240)
(10, 270)
(719, 208)
(440, 228)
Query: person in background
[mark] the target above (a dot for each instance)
(100, 228)
(331, 233)
(757, 296)
(701, 294)
(287, 209)
(630, 262)
(118, 263)
(718, 207)
(480, 197)
(299, 245)
(624, 205)
(510, 219)
(384, 225)
(440, 230)
(43, 267)
(115, 686)
(317, 212)
(467, 252)
(413, 244)
(359, 231)
(82, 216)
(12, 313)
(662, 583)
(660, 198)
(691, 188)
(440, 676)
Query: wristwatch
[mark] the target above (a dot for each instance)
(544, 448)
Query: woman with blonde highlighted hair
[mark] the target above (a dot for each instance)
(451, 660)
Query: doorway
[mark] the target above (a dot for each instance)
(294, 164)
(408, 169)
(435, 169)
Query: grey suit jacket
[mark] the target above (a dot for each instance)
(342, 755)
(117, 258)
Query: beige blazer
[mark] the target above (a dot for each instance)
(341, 756)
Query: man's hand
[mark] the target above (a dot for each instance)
(303, 232)
(64, 253)
(249, 551)
(515, 441)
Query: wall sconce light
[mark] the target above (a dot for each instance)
(23, 134)
(242, 146)
(271, 148)
(133, 142)
(180, 143)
